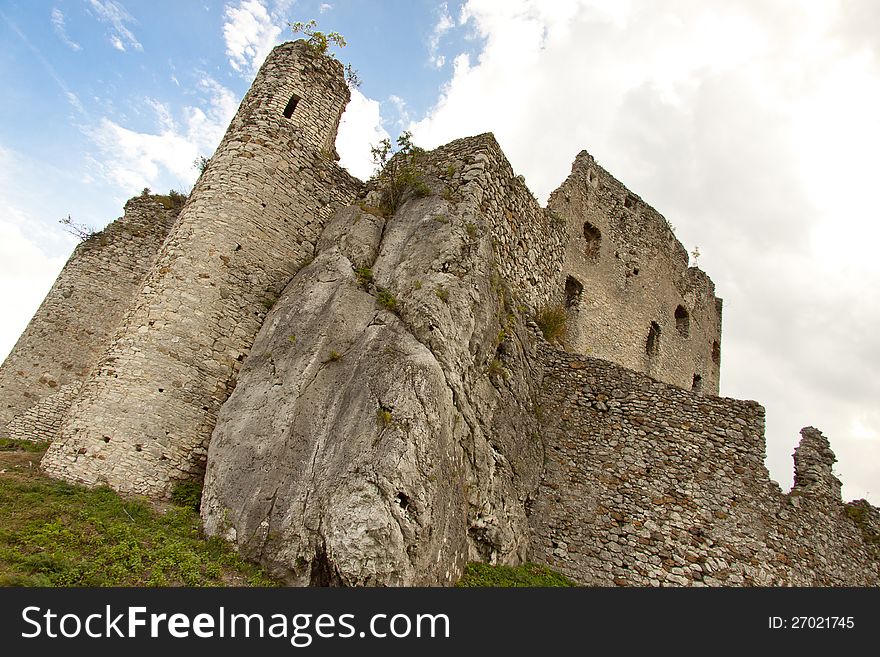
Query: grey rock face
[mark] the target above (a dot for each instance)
(383, 429)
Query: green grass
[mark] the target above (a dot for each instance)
(384, 417)
(364, 276)
(187, 494)
(387, 300)
(57, 534)
(528, 574)
(10, 445)
(172, 200)
(551, 320)
(496, 368)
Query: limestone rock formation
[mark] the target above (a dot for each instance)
(385, 417)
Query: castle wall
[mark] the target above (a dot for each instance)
(647, 484)
(42, 421)
(75, 322)
(144, 417)
(634, 272)
(529, 243)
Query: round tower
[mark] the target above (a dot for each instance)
(144, 417)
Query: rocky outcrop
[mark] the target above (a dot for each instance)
(383, 429)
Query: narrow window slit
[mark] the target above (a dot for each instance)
(682, 321)
(291, 105)
(652, 344)
(593, 238)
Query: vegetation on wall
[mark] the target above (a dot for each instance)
(80, 231)
(552, 322)
(398, 172)
(320, 42)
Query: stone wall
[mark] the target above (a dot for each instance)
(75, 322)
(42, 421)
(529, 243)
(647, 484)
(627, 278)
(144, 418)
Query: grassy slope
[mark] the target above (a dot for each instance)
(56, 534)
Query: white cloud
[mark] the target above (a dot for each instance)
(57, 18)
(325, 7)
(26, 274)
(134, 160)
(403, 115)
(31, 255)
(753, 127)
(73, 99)
(442, 26)
(116, 16)
(250, 31)
(360, 128)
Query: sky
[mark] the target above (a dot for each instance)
(752, 126)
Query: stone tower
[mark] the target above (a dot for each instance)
(143, 419)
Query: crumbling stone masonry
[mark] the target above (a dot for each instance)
(75, 322)
(646, 484)
(630, 295)
(143, 418)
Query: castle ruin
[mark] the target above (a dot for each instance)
(368, 396)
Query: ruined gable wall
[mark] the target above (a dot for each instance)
(634, 272)
(75, 322)
(647, 484)
(144, 418)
